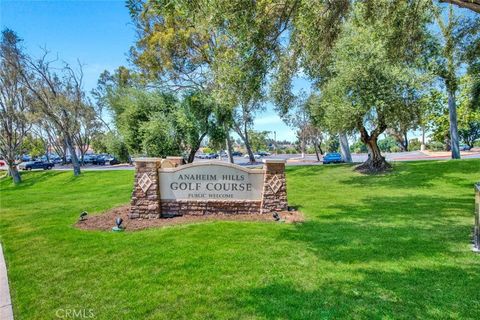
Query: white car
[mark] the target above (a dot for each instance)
(256, 156)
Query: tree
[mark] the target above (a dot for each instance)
(58, 96)
(33, 145)
(300, 118)
(242, 123)
(368, 86)
(211, 46)
(259, 140)
(448, 66)
(146, 121)
(196, 119)
(87, 125)
(473, 5)
(14, 102)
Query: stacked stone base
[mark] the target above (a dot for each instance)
(173, 208)
(146, 202)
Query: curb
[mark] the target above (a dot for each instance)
(6, 311)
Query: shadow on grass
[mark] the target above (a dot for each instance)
(385, 229)
(413, 174)
(419, 174)
(422, 293)
(28, 180)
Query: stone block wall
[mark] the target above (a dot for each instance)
(274, 196)
(146, 202)
(171, 208)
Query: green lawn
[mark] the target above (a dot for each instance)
(392, 247)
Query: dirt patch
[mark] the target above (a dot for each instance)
(105, 221)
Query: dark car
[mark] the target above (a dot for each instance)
(333, 157)
(113, 161)
(211, 156)
(263, 153)
(35, 165)
(237, 154)
(89, 158)
(99, 160)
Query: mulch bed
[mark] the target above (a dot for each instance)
(106, 220)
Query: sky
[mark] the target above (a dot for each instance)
(98, 33)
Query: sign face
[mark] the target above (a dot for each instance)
(210, 181)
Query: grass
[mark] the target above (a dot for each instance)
(395, 246)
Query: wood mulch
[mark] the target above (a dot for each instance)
(105, 221)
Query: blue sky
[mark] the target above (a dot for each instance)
(97, 33)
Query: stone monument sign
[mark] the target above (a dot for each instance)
(166, 188)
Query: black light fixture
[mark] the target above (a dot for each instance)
(276, 216)
(118, 222)
(83, 216)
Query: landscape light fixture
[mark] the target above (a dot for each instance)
(118, 227)
(276, 216)
(83, 216)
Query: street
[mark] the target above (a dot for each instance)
(310, 159)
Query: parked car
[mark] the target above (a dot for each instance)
(333, 157)
(236, 154)
(99, 160)
(263, 153)
(211, 156)
(464, 147)
(255, 155)
(56, 160)
(35, 165)
(88, 158)
(113, 161)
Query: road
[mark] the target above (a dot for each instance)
(296, 159)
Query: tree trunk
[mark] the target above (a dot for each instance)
(316, 151)
(191, 155)
(302, 148)
(320, 148)
(13, 172)
(249, 148)
(452, 110)
(228, 143)
(405, 141)
(73, 156)
(422, 146)
(193, 151)
(345, 148)
(244, 136)
(376, 162)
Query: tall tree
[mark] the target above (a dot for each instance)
(369, 84)
(58, 97)
(14, 104)
(196, 118)
(223, 47)
(448, 68)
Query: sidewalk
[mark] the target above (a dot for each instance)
(6, 312)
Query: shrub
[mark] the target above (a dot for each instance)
(436, 146)
(414, 144)
(388, 145)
